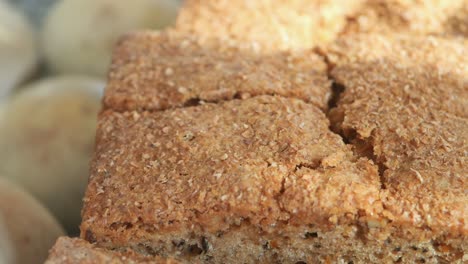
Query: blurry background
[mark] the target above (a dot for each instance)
(54, 56)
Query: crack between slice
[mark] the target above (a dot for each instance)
(362, 148)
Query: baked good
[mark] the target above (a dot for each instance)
(195, 160)
(457, 24)
(77, 251)
(261, 179)
(18, 51)
(50, 126)
(431, 69)
(271, 25)
(267, 25)
(160, 70)
(415, 17)
(27, 228)
(81, 42)
(264, 179)
(405, 106)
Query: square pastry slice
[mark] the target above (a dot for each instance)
(245, 181)
(266, 25)
(77, 251)
(405, 105)
(415, 17)
(155, 71)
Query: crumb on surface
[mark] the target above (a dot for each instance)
(157, 71)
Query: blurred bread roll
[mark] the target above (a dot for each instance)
(46, 141)
(27, 229)
(18, 55)
(79, 35)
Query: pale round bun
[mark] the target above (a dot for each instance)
(27, 229)
(47, 140)
(79, 35)
(18, 55)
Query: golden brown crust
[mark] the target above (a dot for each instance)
(415, 16)
(266, 25)
(211, 166)
(406, 103)
(264, 178)
(77, 251)
(154, 71)
(412, 63)
(272, 25)
(457, 24)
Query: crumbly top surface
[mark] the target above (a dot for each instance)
(266, 25)
(77, 251)
(154, 71)
(262, 160)
(432, 70)
(272, 25)
(457, 24)
(268, 160)
(415, 16)
(406, 103)
(231, 59)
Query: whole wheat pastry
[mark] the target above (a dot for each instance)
(264, 179)
(431, 70)
(216, 146)
(271, 25)
(409, 16)
(266, 25)
(160, 70)
(255, 180)
(405, 105)
(77, 251)
(457, 24)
